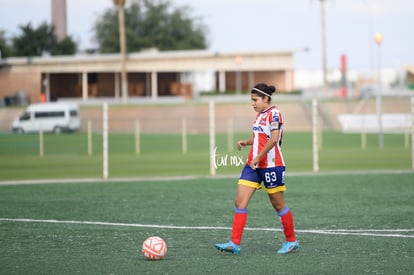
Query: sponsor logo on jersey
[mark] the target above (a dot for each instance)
(258, 128)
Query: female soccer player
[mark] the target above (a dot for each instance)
(265, 164)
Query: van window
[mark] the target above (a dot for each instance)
(49, 114)
(73, 113)
(25, 116)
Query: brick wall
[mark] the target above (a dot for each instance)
(30, 83)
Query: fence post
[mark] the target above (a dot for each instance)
(320, 133)
(315, 135)
(105, 139)
(363, 139)
(230, 135)
(212, 139)
(412, 132)
(89, 138)
(137, 137)
(41, 143)
(406, 137)
(184, 135)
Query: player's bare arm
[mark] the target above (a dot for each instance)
(243, 143)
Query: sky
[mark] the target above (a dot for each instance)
(265, 25)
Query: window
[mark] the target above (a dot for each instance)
(49, 114)
(25, 116)
(73, 113)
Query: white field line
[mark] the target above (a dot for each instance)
(356, 232)
(180, 178)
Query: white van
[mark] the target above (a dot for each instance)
(48, 117)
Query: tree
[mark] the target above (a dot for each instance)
(64, 47)
(6, 49)
(36, 41)
(150, 23)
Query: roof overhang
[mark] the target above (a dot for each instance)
(154, 60)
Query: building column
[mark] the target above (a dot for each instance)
(116, 85)
(154, 85)
(238, 82)
(84, 85)
(251, 80)
(222, 81)
(147, 84)
(289, 80)
(46, 84)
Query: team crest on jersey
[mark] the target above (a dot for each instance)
(263, 119)
(274, 125)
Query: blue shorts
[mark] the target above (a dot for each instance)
(273, 178)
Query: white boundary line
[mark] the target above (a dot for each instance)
(356, 232)
(176, 178)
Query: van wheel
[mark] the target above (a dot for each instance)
(19, 131)
(57, 130)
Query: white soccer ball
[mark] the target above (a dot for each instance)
(154, 248)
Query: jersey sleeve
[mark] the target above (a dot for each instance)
(276, 120)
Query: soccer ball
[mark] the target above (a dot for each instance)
(154, 248)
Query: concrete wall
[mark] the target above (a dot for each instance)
(28, 82)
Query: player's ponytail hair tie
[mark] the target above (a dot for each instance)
(260, 91)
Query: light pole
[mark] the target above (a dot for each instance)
(378, 40)
(323, 35)
(122, 45)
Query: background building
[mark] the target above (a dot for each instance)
(151, 74)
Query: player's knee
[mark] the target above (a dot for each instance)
(278, 203)
(240, 203)
(279, 206)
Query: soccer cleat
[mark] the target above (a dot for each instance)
(229, 247)
(288, 247)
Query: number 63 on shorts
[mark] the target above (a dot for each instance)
(273, 177)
